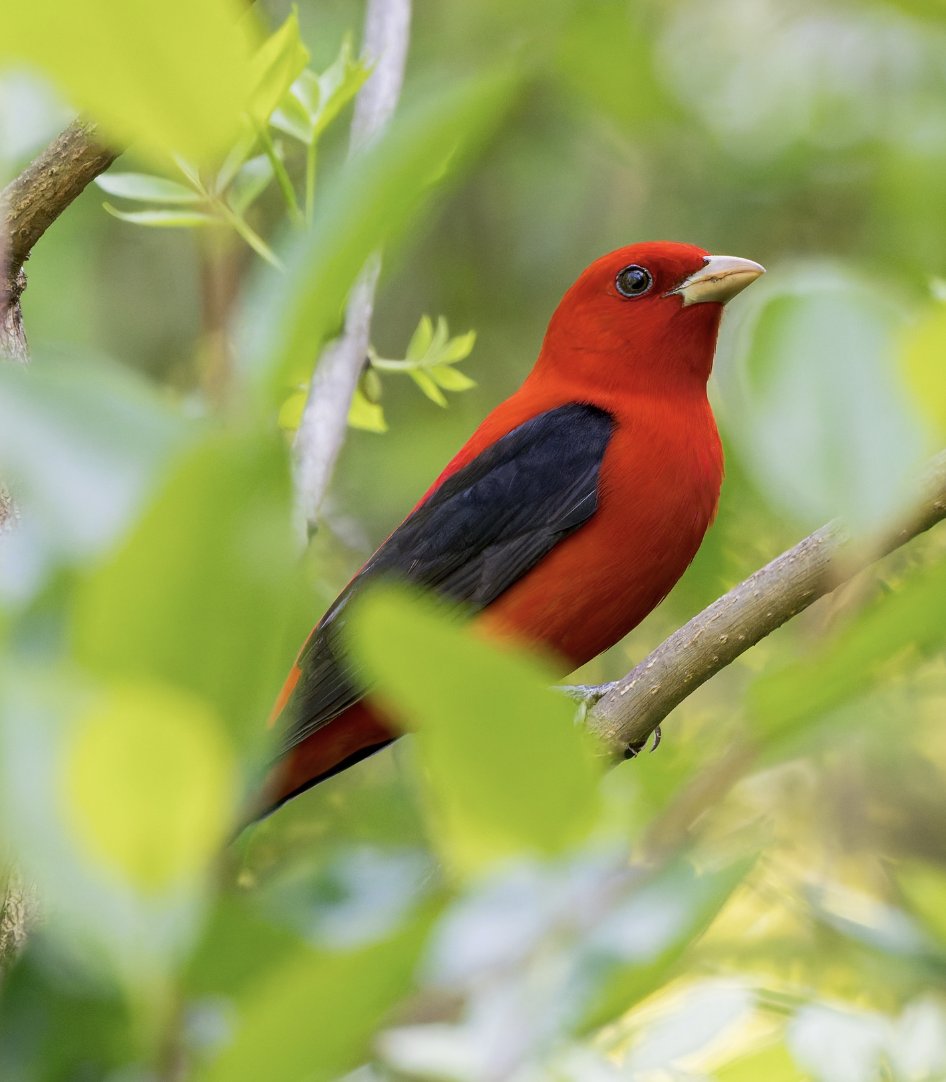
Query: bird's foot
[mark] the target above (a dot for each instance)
(631, 751)
(586, 695)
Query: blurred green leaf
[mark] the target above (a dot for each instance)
(274, 68)
(83, 441)
(421, 339)
(145, 188)
(314, 101)
(366, 415)
(128, 751)
(250, 182)
(428, 386)
(924, 887)
(367, 203)
(507, 770)
(907, 622)
(200, 592)
(163, 219)
(313, 1017)
(923, 356)
(449, 378)
(169, 77)
(638, 944)
(824, 425)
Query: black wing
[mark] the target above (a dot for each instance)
(480, 531)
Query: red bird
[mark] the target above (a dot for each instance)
(570, 512)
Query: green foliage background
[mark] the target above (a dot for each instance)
(761, 899)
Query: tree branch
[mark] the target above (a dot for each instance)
(325, 420)
(632, 708)
(30, 204)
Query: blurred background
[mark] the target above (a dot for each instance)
(810, 137)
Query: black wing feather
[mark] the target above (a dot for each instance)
(479, 532)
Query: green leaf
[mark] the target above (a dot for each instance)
(163, 219)
(923, 358)
(904, 624)
(291, 411)
(129, 748)
(506, 769)
(168, 77)
(250, 182)
(638, 944)
(370, 201)
(427, 385)
(274, 69)
(817, 377)
(458, 349)
(365, 415)
(60, 425)
(420, 341)
(291, 117)
(199, 594)
(347, 993)
(144, 188)
(449, 378)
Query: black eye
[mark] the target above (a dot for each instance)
(633, 281)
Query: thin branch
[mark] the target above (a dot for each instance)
(325, 420)
(633, 707)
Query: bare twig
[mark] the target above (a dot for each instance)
(633, 707)
(325, 420)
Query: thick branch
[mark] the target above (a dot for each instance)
(36, 198)
(325, 420)
(635, 705)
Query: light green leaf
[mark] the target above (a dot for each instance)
(274, 69)
(420, 340)
(144, 188)
(370, 201)
(291, 116)
(449, 378)
(427, 385)
(338, 84)
(368, 416)
(923, 359)
(237, 155)
(348, 993)
(128, 750)
(819, 412)
(505, 768)
(60, 425)
(168, 77)
(291, 411)
(458, 349)
(200, 593)
(163, 219)
(250, 182)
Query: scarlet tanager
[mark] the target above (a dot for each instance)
(570, 512)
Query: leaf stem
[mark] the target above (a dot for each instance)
(310, 161)
(285, 184)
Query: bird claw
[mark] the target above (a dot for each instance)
(633, 750)
(586, 695)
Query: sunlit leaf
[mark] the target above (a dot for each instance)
(458, 348)
(145, 188)
(291, 411)
(366, 415)
(163, 219)
(274, 68)
(428, 386)
(420, 340)
(449, 378)
(167, 77)
(923, 356)
(506, 768)
(126, 755)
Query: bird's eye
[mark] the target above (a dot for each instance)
(633, 281)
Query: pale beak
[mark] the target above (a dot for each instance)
(719, 279)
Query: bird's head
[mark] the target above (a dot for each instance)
(646, 314)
